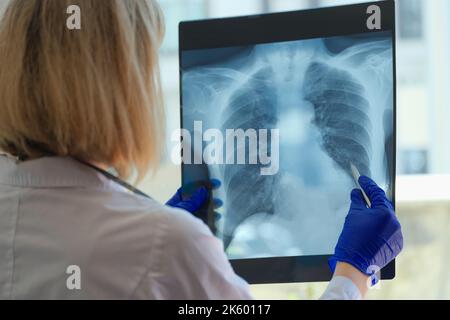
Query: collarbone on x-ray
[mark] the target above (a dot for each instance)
(332, 100)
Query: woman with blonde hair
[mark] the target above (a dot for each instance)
(74, 103)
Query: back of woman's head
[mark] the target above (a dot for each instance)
(93, 94)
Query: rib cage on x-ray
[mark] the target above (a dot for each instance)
(341, 89)
(341, 114)
(252, 106)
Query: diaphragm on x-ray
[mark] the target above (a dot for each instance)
(332, 101)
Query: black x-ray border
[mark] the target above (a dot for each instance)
(284, 26)
(279, 27)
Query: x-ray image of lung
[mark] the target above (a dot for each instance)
(331, 99)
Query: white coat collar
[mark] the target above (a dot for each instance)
(51, 172)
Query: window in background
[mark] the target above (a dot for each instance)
(175, 11)
(409, 11)
(227, 8)
(287, 5)
(412, 68)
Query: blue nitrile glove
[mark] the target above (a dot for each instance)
(192, 204)
(371, 237)
(196, 201)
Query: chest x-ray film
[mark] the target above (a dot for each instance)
(305, 111)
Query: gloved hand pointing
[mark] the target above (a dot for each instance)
(372, 237)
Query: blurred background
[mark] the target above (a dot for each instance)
(423, 182)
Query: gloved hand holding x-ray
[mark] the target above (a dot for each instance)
(331, 100)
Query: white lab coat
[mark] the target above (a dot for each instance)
(56, 213)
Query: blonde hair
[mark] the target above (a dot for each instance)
(93, 94)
